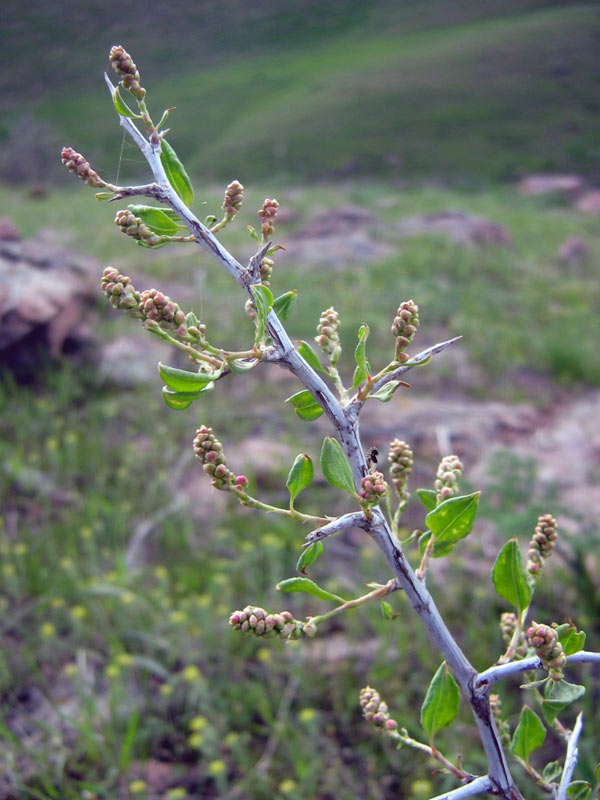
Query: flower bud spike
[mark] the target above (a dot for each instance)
(541, 546)
(126, 71)
(327, 334)
(405, 327)
(267, 215)
(133, 226)
(448, 475)
(77, 164)
(400, 458)
(120, 291)
(209, 451)
(549, 650)
(234, 196)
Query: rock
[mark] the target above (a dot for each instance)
(459, 226)
(128, 361)
(338, 220)
(538, 185)
(43, 294)
(589, 203)
(8, 230)
(573, 252)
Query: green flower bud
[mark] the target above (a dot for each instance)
(327, 334)
(119, 290)
(405, 327)
(549, 650)
(209, 451)
(448, 474)
(541, 545)
(376, 712)
(400, 458)
(158, 307)
(266, 271)
(134, 227)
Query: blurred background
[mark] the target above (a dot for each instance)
(442, 150)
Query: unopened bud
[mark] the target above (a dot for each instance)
(541, 545)
(234, 196)
(373, 489)
(77, 164)
(209, 451)
(126, 71)
(119, 290)
(266, 271)
(405, 327)
(446, 484)
(544, 640)
(400, 458)
(327, 334)
(267, 215)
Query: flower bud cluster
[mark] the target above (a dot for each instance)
(77, 164)
(405, 327)
(501, 724)
(267, 216)
(549, 650)
(257, 621)
(327, 333)
(126, 71)
(134, 227)
(541, 545)
(266, 271)
(209, 451)
(400, 458)
(156, 306)
(119, 289)
(376, 711)
(448, 475)
(508, 625)
(373, 489)
(234, 196)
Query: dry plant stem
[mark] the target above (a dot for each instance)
(570, 758)
(345, 422)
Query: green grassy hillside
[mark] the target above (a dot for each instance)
(419, 90)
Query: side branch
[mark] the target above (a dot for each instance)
(418, 360)
(354, 520)
(485, 680)
(476, 787)
(570, 758)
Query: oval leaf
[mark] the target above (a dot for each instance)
(283, 304)
(529, 735)
(300, 476)
(308, 587)
(335, 466)
(179, 380)
(362, 365)
(309, 556)
(176, 174)
(305, 405)
(387, 611)
(156, 219)
(121, 106)
(440, 706)
(571, 639)
(509, 576)
(309, 355)
(579, 790)
(452, 521)
(386, 392)
(181, 400)
(428, 497)
(559, 695)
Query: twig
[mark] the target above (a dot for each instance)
(415, 361)
(354, 520)
(482, 785)
(490, 676)
(570, 758)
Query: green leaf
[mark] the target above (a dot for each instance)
(571, 639)
(242, 365)
(387, 611)
(428, 497)
(452, 521)
(579, 790)
(180, 380)
(557, 696)
(263, 302)
(362, 365)
(305, 405)
(311, 358)
(176, 174)
(509, 576)
(181, 400)
(309, 556)
(283, 304)
(253, 233)
(386, 392)
(440, 706)
(529, 735)
(335, 465)
(300, 476)
(157, 220)
(423, 540)
(597, 773)
(552, 771)
(121, 106)
(308, 587)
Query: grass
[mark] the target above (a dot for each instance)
(466, 100)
